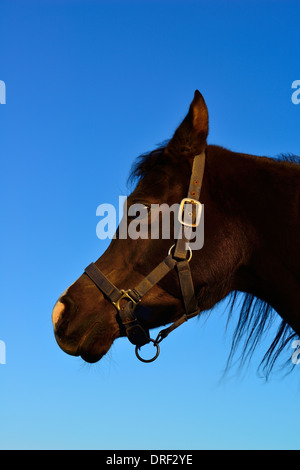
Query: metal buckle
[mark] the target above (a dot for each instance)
(125, 295)
(192, 202)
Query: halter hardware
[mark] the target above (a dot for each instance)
(132, 312)
(155, 344)
(192, 203)
(189, 248)
(126, 295)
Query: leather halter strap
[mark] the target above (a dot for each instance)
(127, 302)
(135, 332)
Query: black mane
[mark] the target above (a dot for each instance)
(256, 318)
(145, 162)
(288, 157)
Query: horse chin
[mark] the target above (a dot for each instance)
(94, 344)
(91, 359)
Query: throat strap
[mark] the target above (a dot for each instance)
(187, 287)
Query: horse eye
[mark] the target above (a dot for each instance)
(139, 211)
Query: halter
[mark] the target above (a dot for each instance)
(127, 302)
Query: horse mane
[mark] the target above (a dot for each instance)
(148, 160)
(287, 157)
(145, 162)
(256, 317)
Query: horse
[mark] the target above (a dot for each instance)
(251, 248)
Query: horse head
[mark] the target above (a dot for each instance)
(144, 281)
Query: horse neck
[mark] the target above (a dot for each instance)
(265, 197)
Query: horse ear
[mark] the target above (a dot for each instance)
(192, 133)
(199, 112)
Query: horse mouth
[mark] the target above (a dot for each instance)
(94, 344)
(91, 347)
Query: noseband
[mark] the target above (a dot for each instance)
(127, 302)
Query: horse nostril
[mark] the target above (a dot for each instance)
(57, 313)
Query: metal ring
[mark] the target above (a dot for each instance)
(153, 358)
(190, 255)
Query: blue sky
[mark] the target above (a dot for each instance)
(90, 85)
